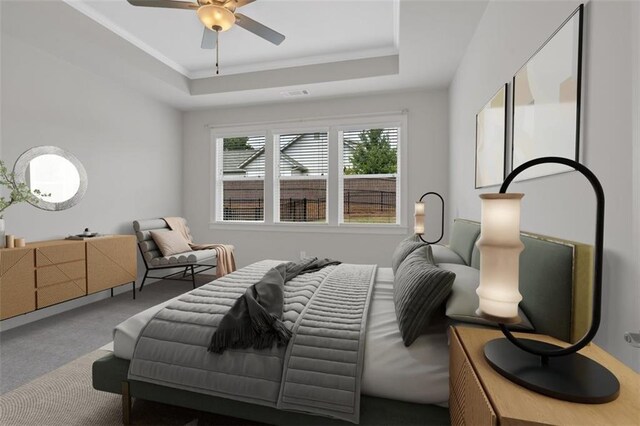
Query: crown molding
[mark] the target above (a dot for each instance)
(293, 63)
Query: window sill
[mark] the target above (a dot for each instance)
(347, 228)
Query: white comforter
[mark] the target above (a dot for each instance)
(419, 373)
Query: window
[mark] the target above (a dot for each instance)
(333, 173)
(369, 175)
(240, 178)
(304, 167)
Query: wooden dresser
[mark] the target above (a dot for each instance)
(49, 272)
(481, 396)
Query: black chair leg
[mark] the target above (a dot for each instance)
(193, 277)
(133, 285)
(143, 280)
(184, 274)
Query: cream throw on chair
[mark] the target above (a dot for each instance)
(226, 262)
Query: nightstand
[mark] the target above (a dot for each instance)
(481, 396)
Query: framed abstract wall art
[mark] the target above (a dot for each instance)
(491, 131)
(546, 101)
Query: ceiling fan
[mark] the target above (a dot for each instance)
(217, 16)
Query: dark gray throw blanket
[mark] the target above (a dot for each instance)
(255, 319)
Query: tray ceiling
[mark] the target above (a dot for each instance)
(317, 31)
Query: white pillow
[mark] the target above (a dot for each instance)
(170, 242)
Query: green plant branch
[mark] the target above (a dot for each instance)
(19, 192)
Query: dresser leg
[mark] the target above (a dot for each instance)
(126, 404)
(111, 291)
(133, 285)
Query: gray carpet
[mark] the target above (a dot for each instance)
(65, 397)
(34, 349)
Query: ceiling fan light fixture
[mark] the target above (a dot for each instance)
(216, 18)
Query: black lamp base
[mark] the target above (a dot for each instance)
(572, 377)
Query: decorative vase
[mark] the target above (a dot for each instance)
(2, 242)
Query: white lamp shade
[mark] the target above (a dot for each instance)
(500, 248)
(216, 17)
(418, 216)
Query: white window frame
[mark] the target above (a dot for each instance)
(333, 126)
(276, 171)
(399, 179)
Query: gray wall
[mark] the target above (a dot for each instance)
(427, 164)
(562, 205)
(129, 145)
(636, 149)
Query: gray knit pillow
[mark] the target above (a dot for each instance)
(419, 290)
(404, 249)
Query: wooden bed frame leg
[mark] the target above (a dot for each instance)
(126, 404)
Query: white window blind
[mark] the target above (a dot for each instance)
(303, 171)
(241, 184)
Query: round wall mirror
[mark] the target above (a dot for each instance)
(54, 172)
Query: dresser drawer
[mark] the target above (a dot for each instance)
(62, 253)
(61, 292)
(468, 403)
(62, 272)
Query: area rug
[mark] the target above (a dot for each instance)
(65, 397)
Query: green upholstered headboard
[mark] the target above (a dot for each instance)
(556, 279)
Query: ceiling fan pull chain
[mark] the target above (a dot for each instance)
(217, 52)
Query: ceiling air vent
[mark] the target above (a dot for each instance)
(295, 93)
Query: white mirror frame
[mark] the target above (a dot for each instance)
(20, 169)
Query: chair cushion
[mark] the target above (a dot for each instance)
(196, 256)
(419, 290)
(170, 242)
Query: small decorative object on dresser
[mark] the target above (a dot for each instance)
(45, 273)
(418, 227)
(480, 396)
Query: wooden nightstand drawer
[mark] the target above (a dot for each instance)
(468, 403)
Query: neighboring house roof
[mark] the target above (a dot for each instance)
(234, 159)
(295, 165)
(257, 153)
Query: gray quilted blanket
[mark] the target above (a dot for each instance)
(318, 372)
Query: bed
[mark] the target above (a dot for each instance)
(407, 385)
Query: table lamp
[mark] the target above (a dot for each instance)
(419, 218)
(558, 372)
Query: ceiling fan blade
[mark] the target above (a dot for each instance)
(208, 39)
(239, 3)
(170, 4)
(258, 29)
